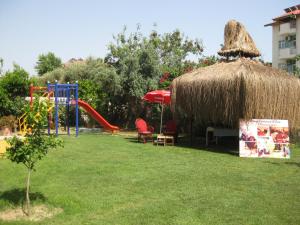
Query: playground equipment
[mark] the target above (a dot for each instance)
(66, 95)
(93, 113)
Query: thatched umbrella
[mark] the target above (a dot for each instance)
(237, 41)
(225, 92)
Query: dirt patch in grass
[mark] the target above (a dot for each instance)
(38, 213)
(132, 133)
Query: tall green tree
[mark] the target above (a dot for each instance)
(47, 62)
(174, 49)
(141, 61)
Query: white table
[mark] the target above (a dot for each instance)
(221, 132)
(165, 140)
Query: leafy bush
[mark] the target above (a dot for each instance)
(5, 102)
(16, 82)
(14, 86)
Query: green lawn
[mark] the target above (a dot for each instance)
(104, 179)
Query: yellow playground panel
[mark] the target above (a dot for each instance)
(3, 146)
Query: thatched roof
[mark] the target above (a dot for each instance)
(225, 92)
(73, 61)
(237, 41)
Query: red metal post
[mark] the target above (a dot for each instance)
(31, 90)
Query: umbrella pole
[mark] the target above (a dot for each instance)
(161, 117)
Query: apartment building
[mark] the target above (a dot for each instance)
(286, 39)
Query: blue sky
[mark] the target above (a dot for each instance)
(73, 29)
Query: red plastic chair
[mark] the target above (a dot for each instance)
(144, 131)
(171, 129)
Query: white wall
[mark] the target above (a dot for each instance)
(275, 49)
(285, 28)
(298, 35)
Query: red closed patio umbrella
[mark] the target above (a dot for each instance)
(163, 97)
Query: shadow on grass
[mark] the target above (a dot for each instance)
(17, 196)
(297, 164)
(132, 139)
(293, 163)
(225, 146)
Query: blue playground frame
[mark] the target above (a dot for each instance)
(64, 94)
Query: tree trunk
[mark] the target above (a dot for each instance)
(27, 192)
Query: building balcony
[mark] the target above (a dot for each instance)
(287, 48)
(287, 28)
(287, 53)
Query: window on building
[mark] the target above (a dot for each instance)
(281, 44)
(292, 37)
(293, 24)
(291, 65)
(291, 68)
(289, 42)
(282, 66)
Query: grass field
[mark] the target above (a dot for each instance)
(104, 179)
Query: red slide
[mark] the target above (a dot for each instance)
(89, 109)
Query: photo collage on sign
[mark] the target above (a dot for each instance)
(264, 138)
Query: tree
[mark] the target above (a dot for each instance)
(297, 69)
(208, 61)
(35, 145)
(14, 85)
(46, 63)
(16, 82)
(1, 66)
(141, 61)
(137, 64)
(5, 103)
(174, 48)
(185, 67)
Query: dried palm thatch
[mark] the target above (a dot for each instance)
(237, 41)
(225, 92)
